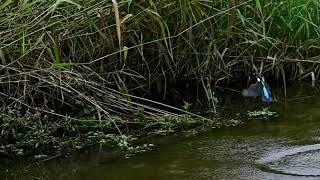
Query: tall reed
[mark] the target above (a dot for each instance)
(100, 53)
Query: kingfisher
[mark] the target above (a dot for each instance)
(260, 88)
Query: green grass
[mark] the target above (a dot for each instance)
(86, 54)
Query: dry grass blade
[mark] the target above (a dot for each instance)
(118, 22)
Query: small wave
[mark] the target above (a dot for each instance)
(299, 161)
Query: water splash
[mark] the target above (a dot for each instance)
(299, 161)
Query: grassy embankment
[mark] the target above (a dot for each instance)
(69, 68)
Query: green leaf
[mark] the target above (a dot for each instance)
(258, 5)
(242, 18)
(125, 52)
(5, 4)
(58, 2)
(62, 65)
(94, 25)
(49, 51)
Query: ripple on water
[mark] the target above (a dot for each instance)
(299, 161)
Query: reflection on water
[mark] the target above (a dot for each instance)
(226, 154)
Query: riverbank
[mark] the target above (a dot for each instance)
(225, 153)
(42, 137)
(77, 73)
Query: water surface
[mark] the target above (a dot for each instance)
(283, 148)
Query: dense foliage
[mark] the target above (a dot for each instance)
(57, 55)
(96, 58)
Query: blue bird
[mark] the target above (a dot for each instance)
(260, 88)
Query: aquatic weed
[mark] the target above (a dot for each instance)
(264, 113)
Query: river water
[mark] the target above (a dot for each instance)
(284, 148)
